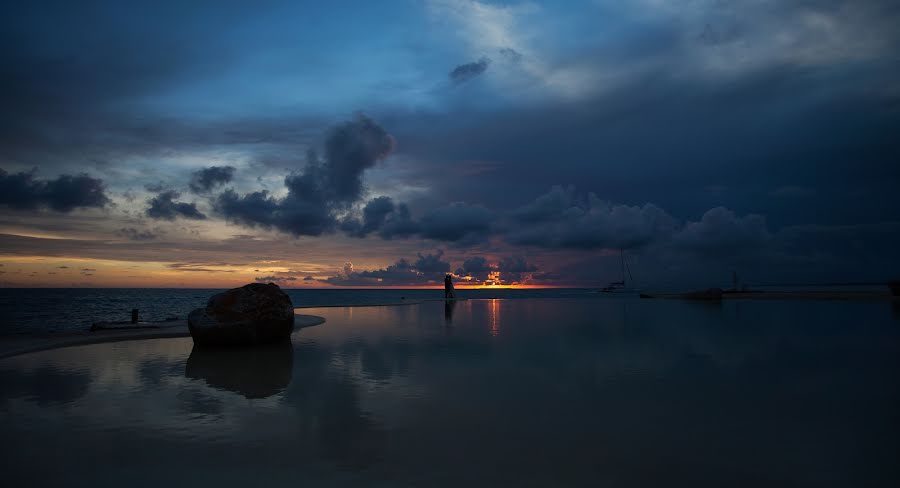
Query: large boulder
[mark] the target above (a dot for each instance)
(252, 314)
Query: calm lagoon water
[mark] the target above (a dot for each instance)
(553, 392)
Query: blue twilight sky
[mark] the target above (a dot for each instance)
(387, 143)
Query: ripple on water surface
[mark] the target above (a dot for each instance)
(561, 392)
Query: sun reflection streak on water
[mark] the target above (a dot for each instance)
(495, 317)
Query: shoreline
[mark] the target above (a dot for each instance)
(25, 344)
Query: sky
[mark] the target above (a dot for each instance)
(349, 143)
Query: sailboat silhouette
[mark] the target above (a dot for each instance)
(621, 286)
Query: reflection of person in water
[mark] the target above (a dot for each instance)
(449, 305)
(448, 287)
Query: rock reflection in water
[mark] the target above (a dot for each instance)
(255, 372)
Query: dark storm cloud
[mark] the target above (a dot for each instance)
(398, 224)
(374, 214)
(427, 269)
(382, 216)
(431, 263)
(564, 219)
(514, 268)
(63, 194)
(515, 264)
(466, 72)
(350, 149)
(324, 188)
(294, 214)
(662, 139)
(69, 77)
(457, 222)
(721, 231)
(163, 206)
(475, 265)
(204, 180)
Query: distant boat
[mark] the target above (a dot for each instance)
(621, 286)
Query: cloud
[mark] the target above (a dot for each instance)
(63, 194)
(515, 264)
(457, 222)
(562, 218)
(164, 207)
(514, 268)
(431, 264)
(137, 235)
(398, 223)
(721, 231)
(293, 214)
(204, 180)
(427, 269)
(475, 267)
(350, 149)
(324, 188)
(467, 71)
(381, 215)
(277, 279)
(374, 214)
(511, 54)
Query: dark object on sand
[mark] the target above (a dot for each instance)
(252, 314)
(894, 285)
(253, 372)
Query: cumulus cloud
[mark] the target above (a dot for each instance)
(350, 149)
(476, 268)
(164, 207)
(467, 71)
(515, 264)
(204, 180)
(374, 214)
(63, 194)
(514, 268)
(720, 230)
(564, 219)
(427, 269)
(382, 216)
(324, 188)
(431, 264)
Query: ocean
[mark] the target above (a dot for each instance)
(30, 310)
(574, 391)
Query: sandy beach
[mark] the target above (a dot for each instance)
(27, 343)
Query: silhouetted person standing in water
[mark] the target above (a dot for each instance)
(448, 287)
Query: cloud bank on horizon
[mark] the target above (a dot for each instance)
(505, 142)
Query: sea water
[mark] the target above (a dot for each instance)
(574, 391)
(29, 310)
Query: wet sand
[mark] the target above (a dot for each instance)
(26, 343)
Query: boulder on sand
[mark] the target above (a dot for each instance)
(252, 314)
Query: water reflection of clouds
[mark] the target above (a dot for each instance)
(388, 389)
